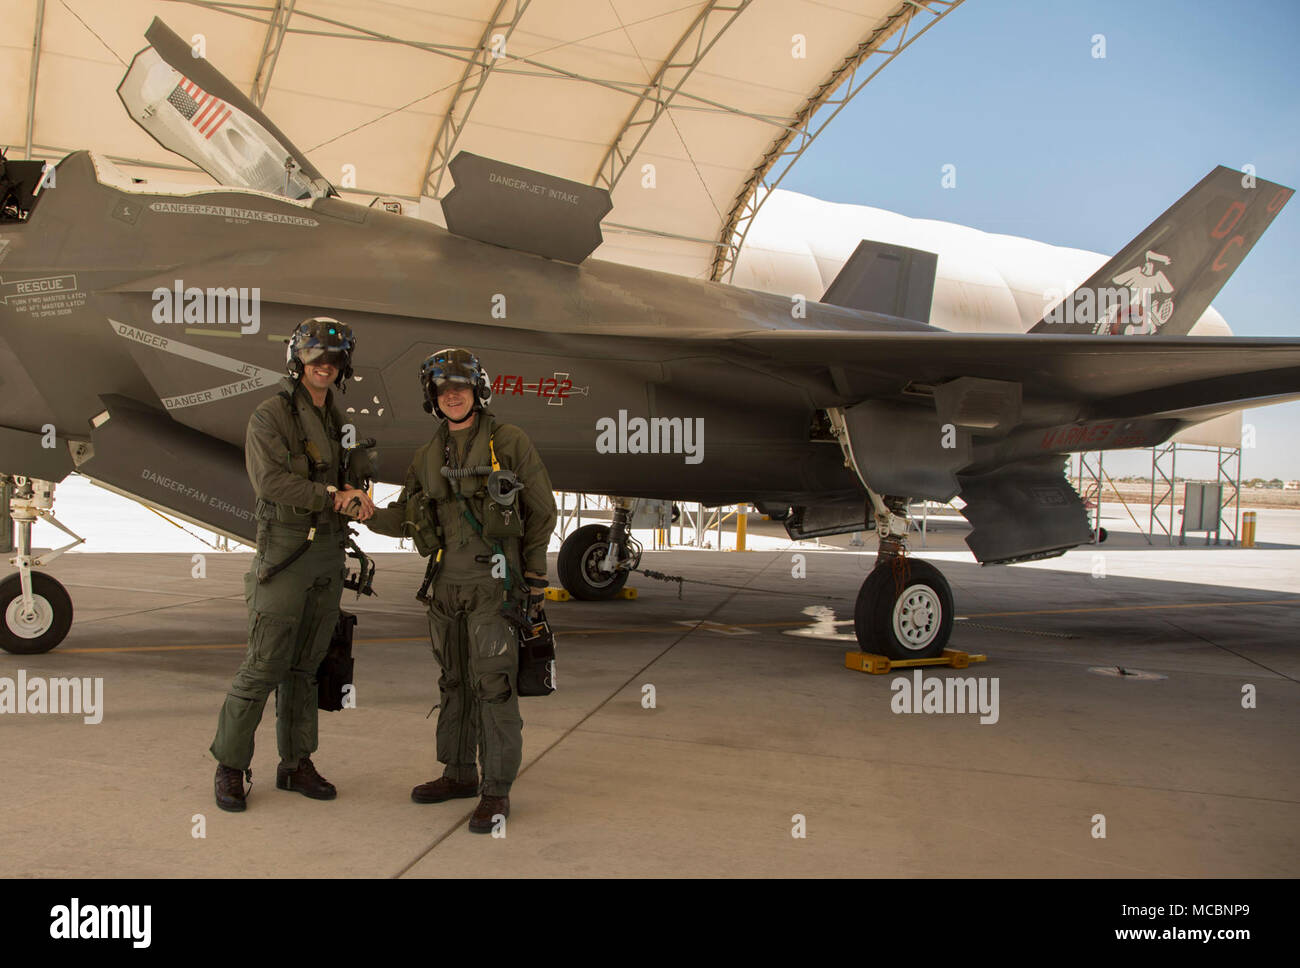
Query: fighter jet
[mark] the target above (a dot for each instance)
(140, 324)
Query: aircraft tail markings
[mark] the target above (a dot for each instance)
(1162, 281)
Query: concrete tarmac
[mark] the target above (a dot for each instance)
(757, 731)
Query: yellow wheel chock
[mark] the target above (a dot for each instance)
(878, 665)
(560, 595)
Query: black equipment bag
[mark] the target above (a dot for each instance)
(335, 670)
(537, 661)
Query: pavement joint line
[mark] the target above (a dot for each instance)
(1216, 645)
(1016, 631)
(597, 708)
(142, 591)
(155, 648)
(913, 764)
(160, 608)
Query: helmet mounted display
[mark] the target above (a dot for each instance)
(322, 341)
(453, 367)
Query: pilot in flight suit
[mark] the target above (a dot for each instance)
(487, 558)
(293, 453)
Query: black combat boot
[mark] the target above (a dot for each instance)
(305, 780)
(229, 785)
(488, 807)
(443, 788)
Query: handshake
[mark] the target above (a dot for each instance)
(354, 503)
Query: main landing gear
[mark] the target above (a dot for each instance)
(35, 610)
(904, 608)
(596, 559)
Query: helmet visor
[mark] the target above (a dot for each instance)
(324, 342)
(452, 368)
(320, 356)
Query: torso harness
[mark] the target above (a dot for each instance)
(361, 582)
(502, 486)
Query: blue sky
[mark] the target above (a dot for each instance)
(1056, 145)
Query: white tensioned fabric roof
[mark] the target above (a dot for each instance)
(719, 98)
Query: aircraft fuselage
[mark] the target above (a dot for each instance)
(183, 302)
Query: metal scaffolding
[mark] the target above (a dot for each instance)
(1227, 474)
(1091, 480)
(694, 522)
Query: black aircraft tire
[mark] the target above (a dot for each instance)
(576, 565)
(863, 610)
(54, 611)
(913, 624)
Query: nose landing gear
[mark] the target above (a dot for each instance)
(35, 609)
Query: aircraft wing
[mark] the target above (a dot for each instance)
(1137, 376)
(987, 418)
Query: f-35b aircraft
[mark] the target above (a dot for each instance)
(140, 325)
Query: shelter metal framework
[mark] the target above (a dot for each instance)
(705, 30)
(679, 77)
(275, 31)
(833, 94)
(496, 36)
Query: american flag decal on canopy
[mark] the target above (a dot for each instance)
(201, 109)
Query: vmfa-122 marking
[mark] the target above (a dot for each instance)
(829, 419)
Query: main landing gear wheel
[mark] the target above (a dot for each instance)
(41, 629)
(913, 622)
(579, 563)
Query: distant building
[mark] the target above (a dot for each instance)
(1291, 486)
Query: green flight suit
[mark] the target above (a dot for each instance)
(476, 647)
(292, 615)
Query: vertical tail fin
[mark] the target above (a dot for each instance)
(881, 277)
(1164, 279)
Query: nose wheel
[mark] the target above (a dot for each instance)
(35, 610)
(31, 631)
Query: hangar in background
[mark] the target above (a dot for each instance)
(676, 109)
(381, 98)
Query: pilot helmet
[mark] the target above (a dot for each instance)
(453, 366)
(321, 340)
